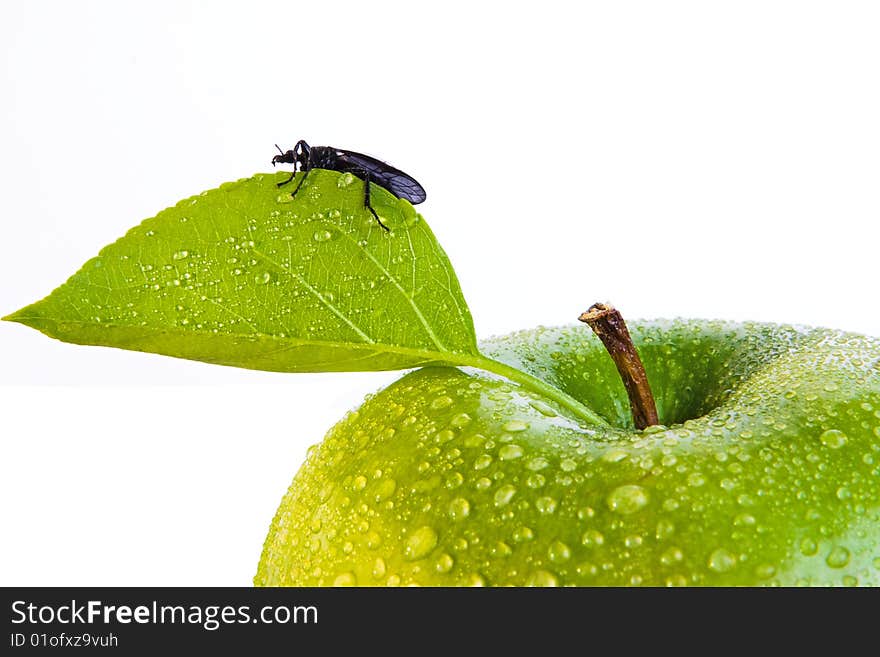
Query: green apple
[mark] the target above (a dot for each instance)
(539, 458)
(767, 470)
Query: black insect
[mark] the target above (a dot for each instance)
(367, 168)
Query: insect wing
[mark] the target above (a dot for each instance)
(384, 175)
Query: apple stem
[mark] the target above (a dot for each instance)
(607, 323)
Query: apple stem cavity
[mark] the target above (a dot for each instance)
(607, 323)
(541, 388)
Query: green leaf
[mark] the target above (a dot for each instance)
(245, 275)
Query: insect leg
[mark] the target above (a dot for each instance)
(282, 184)
(366, 177)
(300, 183)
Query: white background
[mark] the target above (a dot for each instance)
(678, 158)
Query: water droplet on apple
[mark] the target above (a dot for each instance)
(420, 543)
(744, 520)
(542, 578)
(586, 512)
(627, 499)
(515, 426)
(543, 408)
(379, 568)
(474, 580)
(524, 534)
(444, 436)
(345, 579)
(483, 483)
(501, 550)
(633, 541)
(665, 529)
(559, 552)
(535, 480)
(180, 255)
(765, 571)
(444, 563)
(745, 500)
(615, 455)
(510, 452)
(384, 490)
(586, 569)
(537, 463)
(838, 557)
(808, 546)
(459, 508)
(833, 438)
(441, 403)
(374, 540)
(654, 428)
(721, 561)
(460, 421)
(671, 556)
(482, 462)
(504, 494)
(592, 538)
(545, 505)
